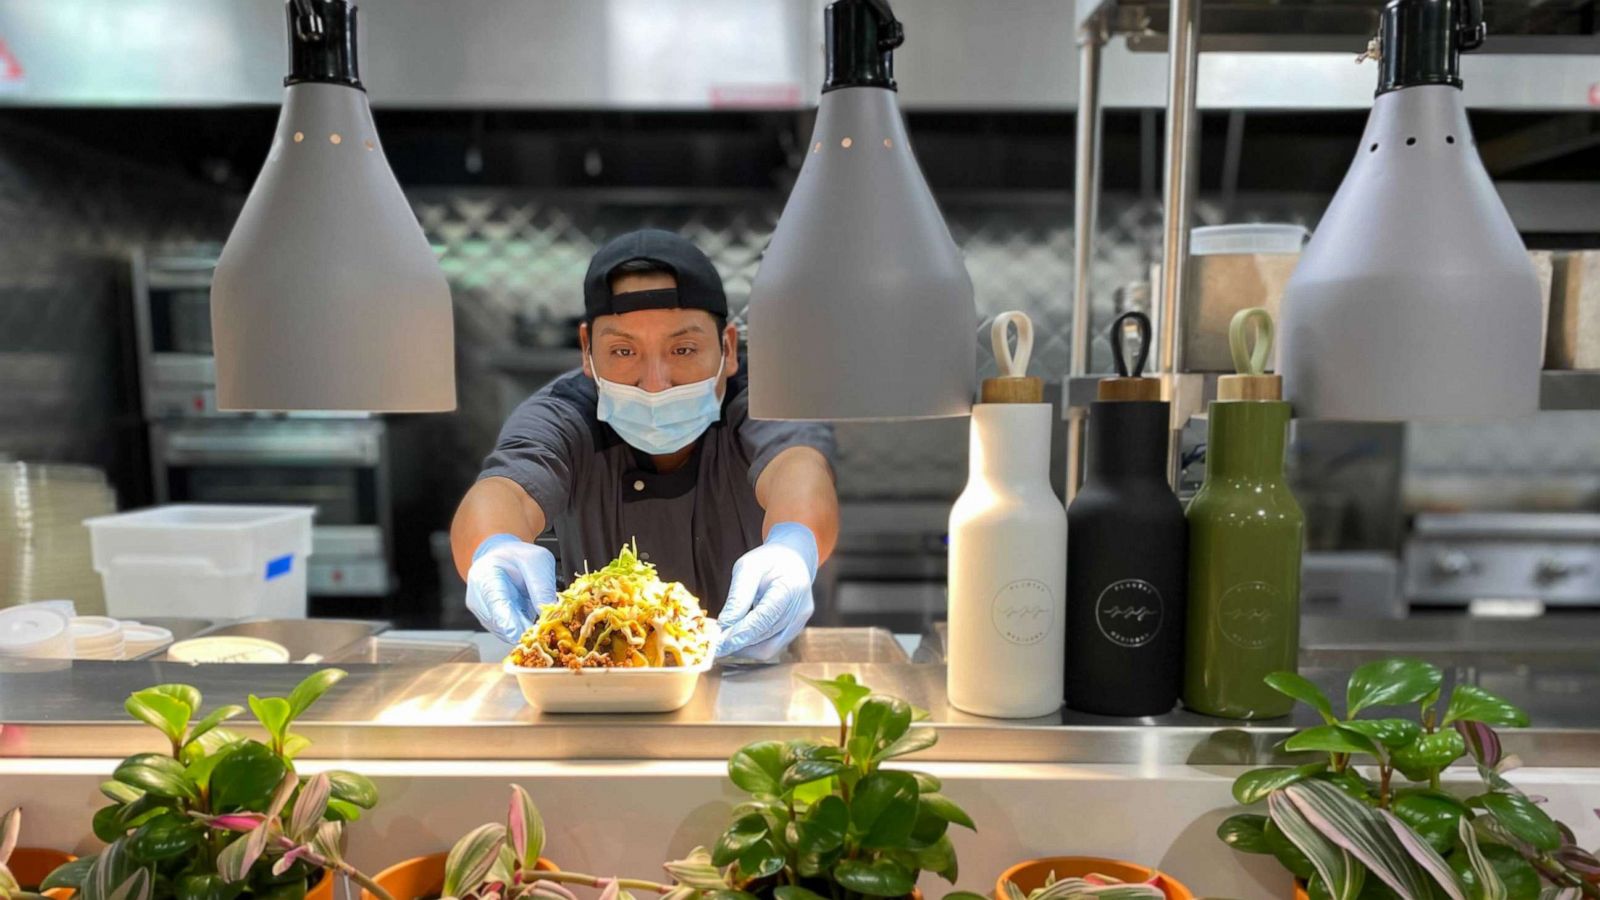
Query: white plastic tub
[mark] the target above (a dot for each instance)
(216, 562)
(1247, 238)
(562, 690)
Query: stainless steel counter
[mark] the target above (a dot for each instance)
(457, 711)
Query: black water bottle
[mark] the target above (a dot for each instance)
(1126, 551)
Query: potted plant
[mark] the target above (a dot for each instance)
(1081, 878)
(22, 869)
(1391, 829)
(829, 820)
(219, 816)
(1058, 877)
(493, 860)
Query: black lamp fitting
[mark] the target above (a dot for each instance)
(1421, 41)
(322, 43)
(862, 36)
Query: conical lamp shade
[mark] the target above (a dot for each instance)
(327, 295)
(862, 308)
(1415, 298)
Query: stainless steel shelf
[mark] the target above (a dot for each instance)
(471, 711)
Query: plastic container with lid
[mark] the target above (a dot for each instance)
(228, 648)
(219, 562)
(1249, 239)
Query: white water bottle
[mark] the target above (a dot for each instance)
(1008, 550)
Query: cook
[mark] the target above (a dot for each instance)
(651, 441)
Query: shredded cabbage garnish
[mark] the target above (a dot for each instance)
(621, 616)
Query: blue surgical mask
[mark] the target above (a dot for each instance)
(662, 422)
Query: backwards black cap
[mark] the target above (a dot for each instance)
(699, 285)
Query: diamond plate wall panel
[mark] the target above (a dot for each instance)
(516, 262)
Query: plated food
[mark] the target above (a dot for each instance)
(622, 616)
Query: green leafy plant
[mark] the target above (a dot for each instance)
(220, 816)
(499, 861)
(828, 821)
(1089, 887)
(1349, 828)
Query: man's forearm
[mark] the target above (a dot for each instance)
(493, 506)
(797, 486)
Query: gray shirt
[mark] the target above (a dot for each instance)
(599, 493)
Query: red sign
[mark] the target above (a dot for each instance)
(10, 67)
(1594, 94)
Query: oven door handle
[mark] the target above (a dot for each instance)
(204, 450)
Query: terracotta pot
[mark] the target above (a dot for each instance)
(1300, 891)
(322, 890)
(1031, 875)
(32, 865)
(421, 876)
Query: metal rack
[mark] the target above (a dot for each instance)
(1562, 27)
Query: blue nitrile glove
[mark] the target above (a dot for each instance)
(769, 601)
(509, 582)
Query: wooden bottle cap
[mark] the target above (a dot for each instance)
(1012, 390)
(1013, 385)
(1129, 385)
(1252, 382)
(1129, 389)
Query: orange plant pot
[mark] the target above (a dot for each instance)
(1300, 891)
(419, 876)
(32, 865)
(1031, 875)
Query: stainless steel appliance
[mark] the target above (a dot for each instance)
(1455, 559)
(337, 463)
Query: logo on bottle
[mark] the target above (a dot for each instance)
(1023, 611)
(1248, 615)
(1129, 612)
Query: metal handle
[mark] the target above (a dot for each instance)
(307, 21)
(1471, 30)
(1141, 323)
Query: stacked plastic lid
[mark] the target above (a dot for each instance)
(44, 545)
(35, 631)
(96, 637)
(51, 629)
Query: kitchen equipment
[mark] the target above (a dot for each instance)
(396, 651)
(862, 307)
(191, 559)
(327, 295)
(1351, 584)
(44, 547)
(35, 631)
(339, 464)
(1452, 559)
(1127, 551)
(1234, 267)
(1574, 341)
(644, 690)
(846, 645)
(227, 649)
(1008, 549)
(304, 639)
(1245, 537)
(1415, 298)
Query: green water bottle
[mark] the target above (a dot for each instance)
(1245, 537)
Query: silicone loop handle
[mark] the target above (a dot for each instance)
(1141, 323)
(1250, 360)
(1012, 365)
